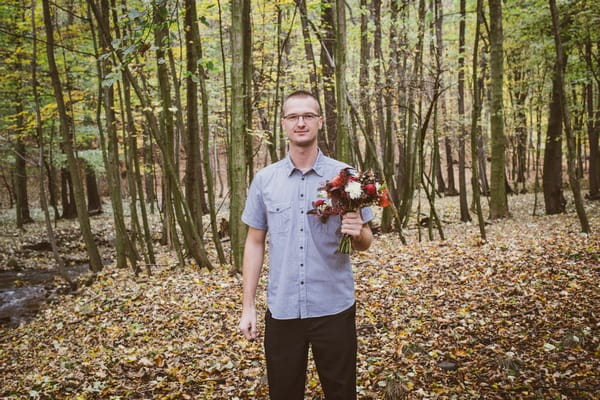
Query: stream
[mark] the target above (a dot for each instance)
(24, 293)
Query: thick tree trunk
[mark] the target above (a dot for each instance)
(552, 170)
(94, 202)
(308, 49)
(22, 202)
(66, 125)
(498, 200)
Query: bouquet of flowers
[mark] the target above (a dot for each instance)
(348, 192)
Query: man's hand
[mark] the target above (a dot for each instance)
(352, 224)
(248, 323)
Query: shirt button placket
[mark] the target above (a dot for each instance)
(302, 245)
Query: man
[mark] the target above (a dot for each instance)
(311, 287)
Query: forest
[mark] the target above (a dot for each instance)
(130, 131)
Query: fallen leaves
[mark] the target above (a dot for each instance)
(516, 317)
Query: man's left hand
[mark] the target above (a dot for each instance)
(352, 224)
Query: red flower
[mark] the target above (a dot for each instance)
(370, 189)
(384, 199)
(318, 203)
(337, 181)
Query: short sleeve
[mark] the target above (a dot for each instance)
(367, 214)
(255, 214)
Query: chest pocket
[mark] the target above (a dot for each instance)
(331, 227)
(279, 216)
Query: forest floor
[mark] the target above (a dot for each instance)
(516, 317)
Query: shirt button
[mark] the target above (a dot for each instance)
(302, 178)
(302, 212)
(301, 247)
(302, 195)
(302, 265)
(301, 229)
(302, 282)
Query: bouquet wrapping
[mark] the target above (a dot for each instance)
(349, 191)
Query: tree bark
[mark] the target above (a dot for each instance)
(462, 180)
(573, 181)
(498, 201)
(238, 132)
(328, 44)
(66, 126)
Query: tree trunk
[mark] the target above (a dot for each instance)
(94, 203)
(238, 132)
(193, 159)
(308, 49)
(593, 128)
(498, 201)
(342, 144)
(192, 35)
(22, 203)
(328, 45)
(573, 181)
(66, 126)
(125, 249)
(462, 180)
(552, 170)
(475, 117)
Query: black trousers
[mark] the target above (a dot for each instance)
(333, 342)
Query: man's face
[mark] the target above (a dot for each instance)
(301, 121)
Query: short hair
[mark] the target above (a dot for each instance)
(301, 94)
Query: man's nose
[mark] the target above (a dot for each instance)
(301, 121)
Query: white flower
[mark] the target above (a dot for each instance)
(354, 189)
(322, 194)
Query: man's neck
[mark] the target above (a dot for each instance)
(303, 158)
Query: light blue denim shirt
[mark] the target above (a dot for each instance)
(307, 276)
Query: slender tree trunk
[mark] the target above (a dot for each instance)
(475, 117)
(66, 125)
(308, 49)
(125, 249)
(238, 132)
(593, 128)
(573, 181)
(462, 180)
(363, 81)
(498, 201)
(328, 48)
(342, 145)
(194, 44)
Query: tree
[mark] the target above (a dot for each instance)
(238, 132)
(573, 181)
(498, 201)
(67, 128)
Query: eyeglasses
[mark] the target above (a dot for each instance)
(294, 118)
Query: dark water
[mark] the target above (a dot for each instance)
(23, 293)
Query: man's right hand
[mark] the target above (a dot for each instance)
(248, 323)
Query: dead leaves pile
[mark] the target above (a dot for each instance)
(516, 317)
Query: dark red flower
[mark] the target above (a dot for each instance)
(318, 203)
(371, 189)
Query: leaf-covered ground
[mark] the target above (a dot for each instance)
(517, 317)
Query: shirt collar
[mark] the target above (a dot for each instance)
(317, 166)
